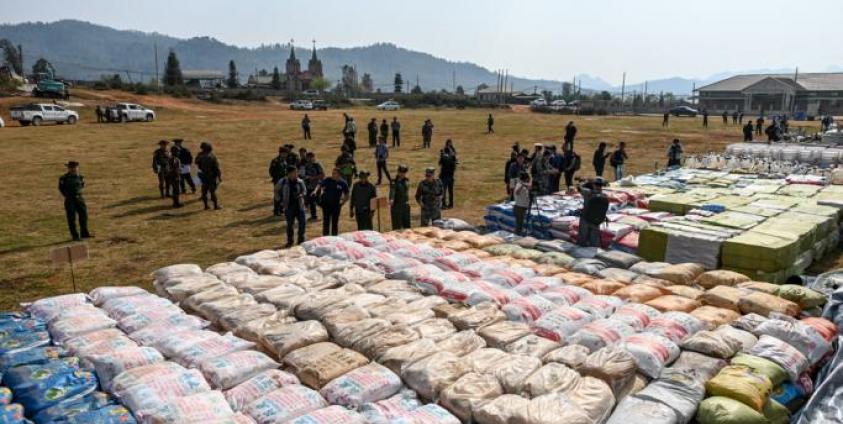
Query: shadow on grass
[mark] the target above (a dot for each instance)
(132, 201)
(164, 206)
(267, 205)
(19, 249)
(269, 218)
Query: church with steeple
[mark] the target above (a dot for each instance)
(294, 79)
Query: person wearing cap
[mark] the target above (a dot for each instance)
(521, 194)
(570, 133)
(595, 206)
(399, 199)
(277, 171)
(172, 173)
(429, 195)
(313, 174)
(516, 168)
(291, 192)
(373, 132)
(332, 193)
(159, 158)
(535, 159)
(210, 173)
(71, 185)
(447, 170)
(362, 194)
(381, 155)
(346, 165)
(305, 127)
(185, 157)
(427, 133)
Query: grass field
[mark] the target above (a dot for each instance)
(137, 232)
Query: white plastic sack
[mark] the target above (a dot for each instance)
(256, 387)
(227, 371)
(369, 383)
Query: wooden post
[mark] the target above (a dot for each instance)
(68, 255)
(376, 204)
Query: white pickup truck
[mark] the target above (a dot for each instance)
(37, 114)
(125, 112)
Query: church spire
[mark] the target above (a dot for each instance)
(314, 50)
(292, 50)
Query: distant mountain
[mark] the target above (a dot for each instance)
(81, 50)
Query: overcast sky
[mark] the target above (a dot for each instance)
(553, 39)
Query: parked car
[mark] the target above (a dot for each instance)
(538, 103)
(683, 111)
(301, 105)
(125, 112)
(389, 105)
(37, 114)
(558, 104)
(320, 105)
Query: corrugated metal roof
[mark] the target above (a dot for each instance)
(807, 81)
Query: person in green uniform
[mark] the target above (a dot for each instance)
(277, 171)
(429, 194)
(71, 186)
(362, 194)
(209, 173)
(399, 199)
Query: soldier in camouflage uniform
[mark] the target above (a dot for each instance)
(362, 194)
(158, 163)
(399, 199)
(429, 195)
(71, 186)
(172, 173)
(209, 173)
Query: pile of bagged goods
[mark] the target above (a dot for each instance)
(765, 223)
(429, 325)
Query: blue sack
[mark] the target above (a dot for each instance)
(55, 389)
(20, 325)
(19, 341)
(27, 376)
(12, 414)
(113, 414)
(33, 356)
(5, 396)
(73, 406)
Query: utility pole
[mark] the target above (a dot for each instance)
(454, 80)
(693, 89)
(623, 89)
(157, 80)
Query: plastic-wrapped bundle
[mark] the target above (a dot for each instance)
(462, 343)
(104, 347)
(144, 373)
(534, 285)
(285, 404)
(258, 386)
(229, 370)
(783, 354)
(429, 376)
(428, 414)
(634, 410)
(470, 392)
(531, 345)
(436, 329)
(601, 333)
(121, 307)
(65, 328)
(553, 408)
(804, 338)
(565, 295)
(330, 415)
(253, 330)
(500, 334)
(501, 410)
(111, 364)
(455, 262)
(652, 352)
(528, 309)
(676, 326)
(560, 323)
(350, 333)
(201, 407)
(478, 316)
(486, 292)
(600, 306)
(152, 392)
(100, 295)
(636, 315)
(509, 277)
(284, 339)
(195, 354)
(377, 344)
(369, 383)
(513, 371)
(742, 384)
(171, 344)
(367, 238)
(228, 268)
(171, 271)
(613, 365)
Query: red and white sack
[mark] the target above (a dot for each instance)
(62, 329)
(560, 323)
(566, 295)
(258, 386)
(637, 315)
(227, 371)
(528, 309)
(455, 261)
(487, 292)
(144, 373)
(205, 407)
(284, 404)
(601, 333)
(600, 306)
(780, 352)
(652, 352)
(167, 316)
(121, 307)
(676, 326)
(331, 415)
(49, 307)
(111, 364)
(804, 338)
(536, 285)
(387, 410)
(369, 383)
(153, 392)
(171, 344)
(509, 277)
(211, 348)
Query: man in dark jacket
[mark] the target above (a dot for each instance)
(570, 134)
(705, 118)
(186, 158)
(427, 134)
(490, 125)
(362, 194)
(277, 171)
(71, 186)
(506, 177)
(384, 130)
(159, 157)
(305, 127)
(617, 160)
(666, 119)
(571, 164)
(595, 206)
(313, 174)
(171, 171)
(210, 173)
(747, 131)
(396, 132)
(291, 193)
(381, 155)
(599, 159)
(447, 169)
(674, 154)
(332, 194)
(759, 125)
(373, 132)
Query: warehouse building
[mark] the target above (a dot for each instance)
(811, 94)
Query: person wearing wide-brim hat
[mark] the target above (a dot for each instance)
(71, 186)
(362, 194)
(159, 167)
(399, 199)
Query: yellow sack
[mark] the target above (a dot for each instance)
(740, 383)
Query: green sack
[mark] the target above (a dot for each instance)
(722, 410)
(803, 296)
(776, 412)
(772, 370)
